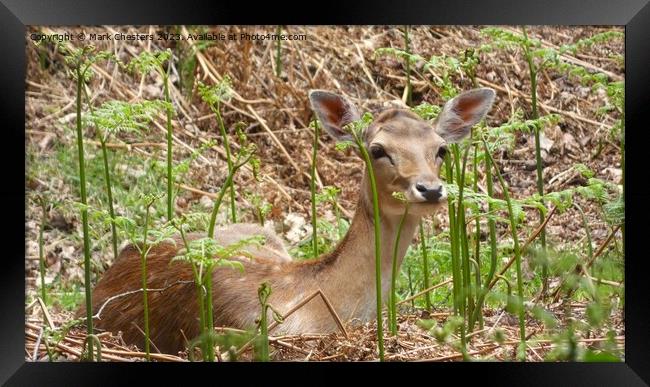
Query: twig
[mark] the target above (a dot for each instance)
(305, 301)
(112, 298)
(457, 355)
(540, 104)
(534, 352)
(480, 331)
(300, 337)
(275, 139)
(46, 314)
(69, 349)
(110, 353)
(31, 304)
(145, 335)
(577, 61)
(362, 63)
(302, 303)
(212, 72)
(582, 269)
(602, 246)
(290, 346)
(197, 191)
(332, 356)
(38, 344)
(606, 282)
(523, 247)
(53, 115)
(128, 146)
(160, 356)
(425, 291)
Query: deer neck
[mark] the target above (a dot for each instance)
(350, 267)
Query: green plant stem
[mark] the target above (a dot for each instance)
(337, 214)
(226, 145)
(462, 229)
(42, 57)
(457, 280)
(207, 282)
(393, 282)
(467, 303)
(209, 317)
(199, 289)
(170, 177)
(622, 140)
(48, 349)
(590, 250)
(314, 215)
(107, 180)
(181, 62)
(507, 281)
(264, 331)
(222, 192)
(515, 238)
(41, 253)
(217, 205)
(538, 151)
(377, 229)
(493, 243)
(84, 214)
(477, 251)
(585, 223)
(425, 266)
(145, 301)
(456, 276)
(89, 342)
(278, 57)
(411, 292)
(261, 216)
(109, 193)
(456, 240)
(409, 100)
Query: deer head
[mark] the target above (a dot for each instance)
(407, 152)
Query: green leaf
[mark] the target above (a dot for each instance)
(359, 125)
(427, 111)
(114, 117)
(595, 314)
(343, 145)
(600, 356)
(148, 61)
(426, 324)
(215, 94)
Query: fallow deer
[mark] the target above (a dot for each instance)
(407, 153)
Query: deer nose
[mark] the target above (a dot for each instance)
(431, 192)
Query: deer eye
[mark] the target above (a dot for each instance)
(378, 152)
(442, 152)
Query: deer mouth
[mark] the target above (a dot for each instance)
(426, 207)
(430, 202)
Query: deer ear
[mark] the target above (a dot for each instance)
(462, 112)
(334, 112)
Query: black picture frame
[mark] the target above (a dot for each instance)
(15, 15)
